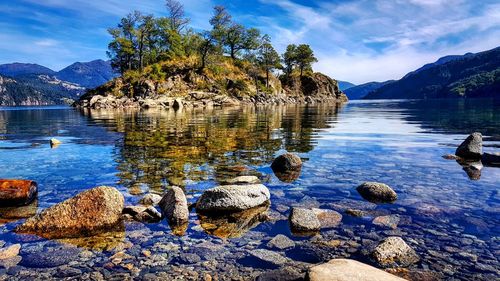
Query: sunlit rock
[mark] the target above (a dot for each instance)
(54, 143)
(472, 147)
(233, 198)
(394, 252)
(88, 213)
(17, 192)
(348, 270)
(174, 206)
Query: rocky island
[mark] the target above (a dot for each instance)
(163, 63)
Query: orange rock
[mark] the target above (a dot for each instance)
(17, 192)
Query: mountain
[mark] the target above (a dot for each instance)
(19, 69)
(360, 91)
(49, 87)
(344, 85)
(36, 90)
(468, 76)
(88, 74)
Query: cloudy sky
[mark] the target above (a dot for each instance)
(354, 40)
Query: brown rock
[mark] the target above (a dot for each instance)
(377, 192)
(348, 270)
(328, 218)
(88, 213)
(10, 252)
(17, 192)
(174, 206)
(390, 221)
(304, 220)
(286, 162)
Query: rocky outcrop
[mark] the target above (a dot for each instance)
(174, 206)
(90, 212)
(233, 198)
(304, 221)
(348, 270)
(472, 147)
(377, 192)
(17, 192)
(394, 252)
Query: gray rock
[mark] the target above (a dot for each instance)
(233, 198)
(150, 199)
(174, 205)
(269, 257)
(348, 270)
(90, 212)
(142, 214)
(280, 242)
(394, 252)
(242, 180)
(304, 220)
(472, 147)
(377, 192)
(286, 162)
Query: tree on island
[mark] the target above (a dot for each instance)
(140, 41)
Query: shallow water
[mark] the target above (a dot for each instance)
(451, 220)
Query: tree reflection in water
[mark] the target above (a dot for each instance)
(166, 147)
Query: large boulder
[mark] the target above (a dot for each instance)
(377, 192)
(233, 198)
(304, 220)
(472, 147)
(17, 192)
(286, 162)
(348, 270)
(174, 206)
(88, 213)
(394, 252)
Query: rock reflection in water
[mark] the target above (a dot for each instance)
(105, 241)
(289, 176)
(162, 147)
(10, 214)
(233, 225)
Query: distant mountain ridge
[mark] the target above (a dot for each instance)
(360, 91)
(344, 85)
(468, 76)
(48, 86)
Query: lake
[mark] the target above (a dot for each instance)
(451, 220)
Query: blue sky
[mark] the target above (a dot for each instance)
(354, 40)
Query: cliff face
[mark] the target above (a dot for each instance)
(181, 84)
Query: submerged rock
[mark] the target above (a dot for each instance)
(233, 198)
(234, 224)
(348, 270)
(328, 218)
(280, 242)
(472, 147)
(174, 206)
(17, 192)
(286, 162)
(90, 212)
(390, 221)
(394, 252)
(304, 220)
(377, 192)
(269, 257)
